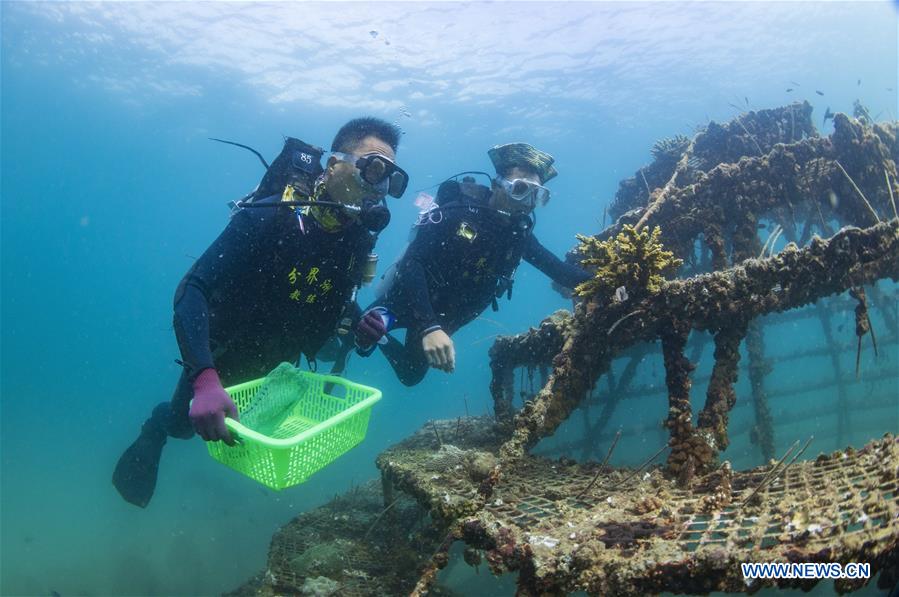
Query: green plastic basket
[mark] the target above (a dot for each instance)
(321, 427)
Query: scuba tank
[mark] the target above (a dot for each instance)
(298, 165)
(467, 191)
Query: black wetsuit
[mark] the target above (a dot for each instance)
(266, 291)
(460, 260)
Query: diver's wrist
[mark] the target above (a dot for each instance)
(430, 329)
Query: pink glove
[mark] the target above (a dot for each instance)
(209, 407)
(370, 329)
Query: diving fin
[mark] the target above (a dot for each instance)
(135, 473)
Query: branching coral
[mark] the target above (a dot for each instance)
(670, 147)
(633, 259)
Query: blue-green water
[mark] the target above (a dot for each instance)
(110, 188)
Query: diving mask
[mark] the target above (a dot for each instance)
(378, 172)
(524, 191)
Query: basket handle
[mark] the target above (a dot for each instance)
(236, 429)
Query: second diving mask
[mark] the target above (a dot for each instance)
(379, 172)
(524, 191)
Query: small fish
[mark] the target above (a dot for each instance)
(819, 92)
(795, 83)
(789, 89)
(746, 99)
(859, 82)
(828, 115)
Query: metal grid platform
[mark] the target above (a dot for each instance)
(637, 534)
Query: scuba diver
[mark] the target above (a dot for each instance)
(463, 257)
(273, 286)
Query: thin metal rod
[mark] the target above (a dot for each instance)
(776, 230)
(890, 189)
(857, 190)
(873, 338)
(434, 427)
(378, 518)
(770, 474)
(648, 192)
(751, 136)
(612, 447)
(858, 356)
(615, 325)
(640, 468)
(793, 459)
(783, 473)
(774, 241)
(601, 466)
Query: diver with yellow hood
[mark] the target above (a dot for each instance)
(464, 254)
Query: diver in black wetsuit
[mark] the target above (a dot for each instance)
(463, 257)
(272, 286)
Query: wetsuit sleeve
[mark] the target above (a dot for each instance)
(219, 266)
(192, 328)
(560, 272)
